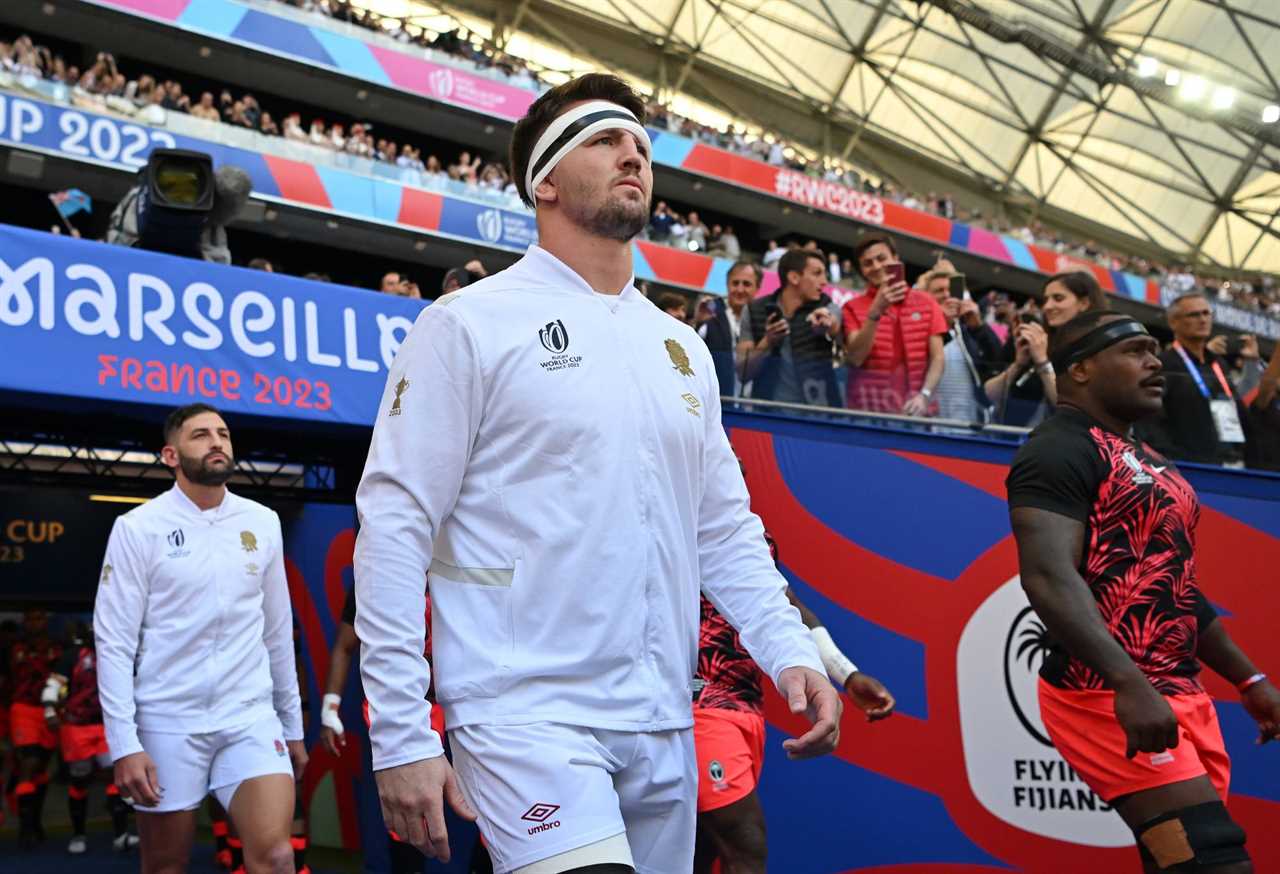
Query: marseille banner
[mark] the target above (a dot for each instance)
(104, 323)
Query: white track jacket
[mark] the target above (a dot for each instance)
(193, 623)
(554, 458)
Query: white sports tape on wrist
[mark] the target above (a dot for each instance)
(837, 663)
(329, 713)
(52, 691)
(574, 128)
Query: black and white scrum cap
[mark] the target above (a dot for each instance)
(574, 128)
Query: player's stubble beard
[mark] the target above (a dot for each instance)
(614, 219)
(200, 472)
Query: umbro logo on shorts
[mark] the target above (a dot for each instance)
(280, 748)
(541, 813)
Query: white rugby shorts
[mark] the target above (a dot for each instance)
(546, 790)
(190, 766)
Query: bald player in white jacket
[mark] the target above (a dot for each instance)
(549, 448)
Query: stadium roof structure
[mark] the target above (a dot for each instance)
(1151, 121)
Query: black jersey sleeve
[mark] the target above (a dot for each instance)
(349, 608)
(1057, 470)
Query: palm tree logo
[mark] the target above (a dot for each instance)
(1025, 649)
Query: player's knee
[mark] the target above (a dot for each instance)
(278, 858)
(80, 771)
(1199, 838)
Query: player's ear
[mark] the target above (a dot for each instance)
(546, 190)
(1081, 372)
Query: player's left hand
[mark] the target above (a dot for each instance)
(870, 695)
(808, 692)
(1262, 702)
(297, 757)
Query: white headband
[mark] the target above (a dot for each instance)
(574, 128)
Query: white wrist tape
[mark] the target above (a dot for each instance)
(837, 663)
(329, 713)
(52, 691)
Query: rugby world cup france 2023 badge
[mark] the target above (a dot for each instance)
(554, 337)
(1012, 766)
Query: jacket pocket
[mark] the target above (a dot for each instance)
(472, 630)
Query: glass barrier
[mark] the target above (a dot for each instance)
(1006, 434)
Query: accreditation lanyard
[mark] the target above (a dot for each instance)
(1195, 373)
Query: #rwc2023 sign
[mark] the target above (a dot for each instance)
(106, 323)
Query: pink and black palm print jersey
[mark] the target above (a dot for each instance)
(728, 678)
(32, 659)
(1139, 559)
(81, 670)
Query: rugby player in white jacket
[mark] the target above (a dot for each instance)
(195, 657)
(549, 448)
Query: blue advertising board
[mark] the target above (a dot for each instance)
(104, 323)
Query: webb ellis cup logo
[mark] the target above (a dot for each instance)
(1013, 769)
(554, 337)
(441, 82)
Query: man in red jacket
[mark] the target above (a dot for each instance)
(892, 336)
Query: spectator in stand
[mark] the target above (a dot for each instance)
(833, 268)
(786, 343)
(467, 168)
(971, 350)
(392, 282)
(461, 277)
(252, 111)
(205, 108)
(318, 136)
(261, 264)
(1202, 417)
(674, 305)
(848, 278)
(772, 253)
(893, 336)
(725, 244)
(267, 125)
(660, 223)
(337, 137)
(723, 327)
(1027, 390)
(293, 128)
(1262, 451)
(695, 233)
(434, 169)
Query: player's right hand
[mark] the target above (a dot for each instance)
(1147, 719)
(413, 798)
(332, 731)
(135, 775)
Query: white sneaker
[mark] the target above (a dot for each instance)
(78, 845)
(125, 842)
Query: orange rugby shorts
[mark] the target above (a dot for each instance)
(1083, 726)
(730, 748)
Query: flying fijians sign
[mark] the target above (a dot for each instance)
(105, 323)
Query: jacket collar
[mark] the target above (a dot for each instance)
(540, 264)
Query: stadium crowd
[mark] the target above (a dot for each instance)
(105, 83)
(1255, 293)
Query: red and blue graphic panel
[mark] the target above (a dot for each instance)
(901, 544)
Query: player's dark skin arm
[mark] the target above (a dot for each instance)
(866, 691)
(1050, 547)
(1221, 655)
(339, 662)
